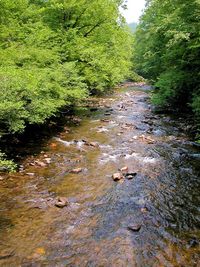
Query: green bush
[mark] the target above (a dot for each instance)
(5, 164)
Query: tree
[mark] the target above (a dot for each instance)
(167, 50)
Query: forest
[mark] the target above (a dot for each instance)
(167, 52)
(56, 53)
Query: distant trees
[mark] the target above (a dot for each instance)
(167, 51)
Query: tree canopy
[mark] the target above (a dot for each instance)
(167, 51)
(54, 53)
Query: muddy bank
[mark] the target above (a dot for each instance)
(151, 219)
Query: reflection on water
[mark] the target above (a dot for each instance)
(93, 229)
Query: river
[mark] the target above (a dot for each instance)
(149, 220)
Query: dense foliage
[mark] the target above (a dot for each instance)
(167, 51)
(53, 53)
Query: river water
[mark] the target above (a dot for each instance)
(94, 229)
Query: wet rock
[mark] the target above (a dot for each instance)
(130, 175)
(124, 169)
(117, 176)
(61, 202)
(134, 227)
(48, 160)
(77, 170)
(30, 173)
(40, 163)
(94, 144)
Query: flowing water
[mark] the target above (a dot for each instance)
(94, 228)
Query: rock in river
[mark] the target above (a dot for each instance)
(124, 169)
(77, 170)
(117, 176)
(61, 202)
(130, 175)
